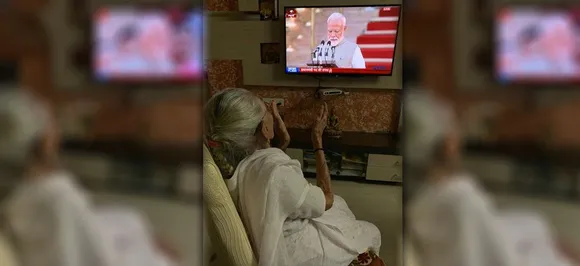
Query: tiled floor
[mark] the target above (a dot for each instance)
(380, 205)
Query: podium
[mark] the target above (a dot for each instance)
(323, 65)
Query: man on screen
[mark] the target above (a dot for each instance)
(347, 53)
(184, 51)
(127, 59)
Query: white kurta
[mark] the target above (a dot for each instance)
(349, 55)
(54, 224)
(285, 217)
(453, 223)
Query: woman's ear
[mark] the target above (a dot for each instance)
(50, 142)
(267, 130)
(452, 146)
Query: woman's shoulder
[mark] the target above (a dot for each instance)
(58, 186)
(464, 191)
(269, 161)
(270, 156)
(455, 191)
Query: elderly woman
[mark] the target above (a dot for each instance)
(51, 219)
(289, 221)
(450, 218)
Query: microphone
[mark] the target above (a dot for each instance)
(333, 50)
(320, 47)
(327, 47)
(315, 55)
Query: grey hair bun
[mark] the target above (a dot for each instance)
(22, 121)
(428, 120)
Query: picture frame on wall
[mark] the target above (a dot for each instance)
(270, 53)
(482, 12)
(268, 9)
(79, 12)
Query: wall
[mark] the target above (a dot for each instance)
(365, 109)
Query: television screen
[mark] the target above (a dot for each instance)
(537, 45)
(341, 40)
(132, 44)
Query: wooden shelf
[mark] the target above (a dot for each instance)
(379, 143)
(529, 151)
(133, 150)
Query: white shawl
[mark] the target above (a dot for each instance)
(265, 203)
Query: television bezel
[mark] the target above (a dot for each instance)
(283, 19)
(141, 81)
(523, 83)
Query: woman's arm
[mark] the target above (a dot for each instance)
(479, 238)
(323, 177)
(78, 237)
(322, 173)
(281, 130)
(300, 199)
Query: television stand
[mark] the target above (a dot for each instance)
(356, 156)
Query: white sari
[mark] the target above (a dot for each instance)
(285, 217)
(54, 224)
(454, 223)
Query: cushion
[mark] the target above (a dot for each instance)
(227, 233)
(7, 256)
(409, 255)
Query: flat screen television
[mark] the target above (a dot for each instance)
(147, 44)
(537, 45)
(341, 40)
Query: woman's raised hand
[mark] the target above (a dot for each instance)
(319, 126)
(281, 130)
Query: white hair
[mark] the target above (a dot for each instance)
(428, 121)
(337, 16)
(23, 120)
(232, 117)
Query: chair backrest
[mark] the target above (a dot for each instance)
(7, 255)
(227, 233)
(409, 254)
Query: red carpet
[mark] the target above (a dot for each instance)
(377, 52)
(382, 25)
(377, 43)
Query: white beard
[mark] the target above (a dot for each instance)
(335, 43)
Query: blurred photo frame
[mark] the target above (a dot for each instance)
(268, 9)
(482, 12)
(270, 53)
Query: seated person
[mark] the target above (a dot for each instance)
(289, 221)
(451, 220)
(50, 218)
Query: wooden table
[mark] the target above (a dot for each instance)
(349, 142)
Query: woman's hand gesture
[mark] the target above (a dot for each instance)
(281, 131)
(319, 126)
